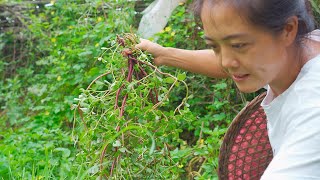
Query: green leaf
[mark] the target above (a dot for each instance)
(116, 143)
(65, 152)
(220, 85)
(86, 53)
(182, 76)
(169, 80)
(219, 117)
(93, 71)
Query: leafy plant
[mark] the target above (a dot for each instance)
(124, 114)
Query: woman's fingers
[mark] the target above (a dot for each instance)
(151, 47)
(155, 49)
(143, 45)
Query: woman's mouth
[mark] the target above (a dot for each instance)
(240, 77)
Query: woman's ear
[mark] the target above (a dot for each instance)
(290, 31)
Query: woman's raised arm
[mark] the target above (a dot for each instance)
(203, 62)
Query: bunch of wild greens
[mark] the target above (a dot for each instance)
(127, 124)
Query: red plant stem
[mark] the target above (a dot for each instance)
(121, 41)
(129, 79)
(156, 92)
(143, 71)
(82, 119)
(123, 106)
(115, 161)
(130, 70)
(118, 128)
(112, 166)
(117, 96)
(151, 97)
(140, 75)
(133, 59)
(101, 158)
(131, 62)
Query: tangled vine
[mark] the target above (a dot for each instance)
(126, 110)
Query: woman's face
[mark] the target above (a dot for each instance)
(251, 56)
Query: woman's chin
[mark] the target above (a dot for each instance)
(247, 89)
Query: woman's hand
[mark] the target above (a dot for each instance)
(159, 52)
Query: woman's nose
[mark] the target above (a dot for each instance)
(228, 60)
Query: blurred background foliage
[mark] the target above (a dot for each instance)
(48, 52)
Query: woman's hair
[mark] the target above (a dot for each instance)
(271, 15)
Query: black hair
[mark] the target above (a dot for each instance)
(272, 15)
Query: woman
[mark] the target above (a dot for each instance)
(264, 43)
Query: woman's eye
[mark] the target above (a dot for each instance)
(214, 47)
(238, 45)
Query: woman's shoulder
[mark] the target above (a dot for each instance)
(312, 46)
(305, 91)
